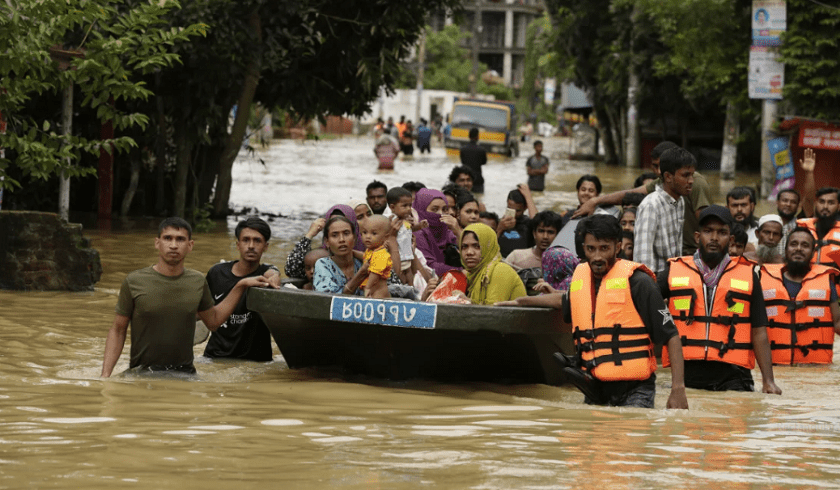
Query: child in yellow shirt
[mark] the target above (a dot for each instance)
(375, 231)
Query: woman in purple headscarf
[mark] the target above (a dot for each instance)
(430, 205)
(294, 262)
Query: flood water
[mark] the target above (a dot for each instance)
(250, 425)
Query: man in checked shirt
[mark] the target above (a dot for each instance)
(660, 218)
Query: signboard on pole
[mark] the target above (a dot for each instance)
(767, 75)
(769, 21)
(780, 154)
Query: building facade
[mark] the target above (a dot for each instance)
(502, 35)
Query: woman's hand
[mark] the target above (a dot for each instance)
(543, 287)
(316, 227)
(451, 223)
(431, 285)
(419, 226)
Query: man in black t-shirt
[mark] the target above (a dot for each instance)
(243, 335)
(474, 156)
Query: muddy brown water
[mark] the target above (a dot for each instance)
(250, 425)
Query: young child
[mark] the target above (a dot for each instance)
(400, 200)
(739, 242)
(375, 232)
(627, 240)
(309, 264)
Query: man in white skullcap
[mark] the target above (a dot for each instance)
(769, 234)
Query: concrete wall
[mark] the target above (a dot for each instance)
(39, 251)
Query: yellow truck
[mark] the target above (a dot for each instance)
(496, 123)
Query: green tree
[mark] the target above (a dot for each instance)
(309, 57)
(708, 73)
(812, 67)
(115, 47)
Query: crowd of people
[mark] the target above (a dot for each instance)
(721, 289)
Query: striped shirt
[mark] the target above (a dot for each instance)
(659, 228)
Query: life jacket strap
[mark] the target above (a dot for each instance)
(792, 305)
(805, 349)
(616, 358)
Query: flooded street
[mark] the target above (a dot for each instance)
(251, 425)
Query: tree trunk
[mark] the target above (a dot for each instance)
(633, 140)
(182, 169)
(607, 134)
(160, 153)
(240, 123)
(132, 187)
(731, 133)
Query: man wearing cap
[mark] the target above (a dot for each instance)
(769, 234)
(717, 305)
(801, 303)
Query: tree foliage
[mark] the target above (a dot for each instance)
(117, 45)
(809, 51)
(690, 57)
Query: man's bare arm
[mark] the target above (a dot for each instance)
(835, 314)
(677, 398)
(761, 347)
(114, 344)
(614, 199)
(214, 317)
(809, 187)
(554, 300)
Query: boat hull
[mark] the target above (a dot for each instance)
(464, 343)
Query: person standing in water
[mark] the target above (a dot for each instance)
(161, 302)
(537, 167)
(474, 156)
(617, 315)
(244, 335)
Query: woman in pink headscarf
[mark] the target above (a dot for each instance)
(430, 205)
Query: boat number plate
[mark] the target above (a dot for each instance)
(383, 312)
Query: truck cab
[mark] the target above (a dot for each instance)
(496, 123)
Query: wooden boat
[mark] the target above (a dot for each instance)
(401, 339)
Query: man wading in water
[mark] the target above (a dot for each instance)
(243, 335)
(617, 314)
(161, 303)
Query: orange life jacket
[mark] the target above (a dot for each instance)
(827, 247)
(801, 331)
(715, 328)
(612, 341)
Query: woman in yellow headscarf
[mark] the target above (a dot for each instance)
(489, 280)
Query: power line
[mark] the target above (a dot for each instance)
(817, 2)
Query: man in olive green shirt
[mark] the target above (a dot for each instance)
(695, 202)
(161, 302)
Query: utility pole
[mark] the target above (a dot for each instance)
(476, 43)
(421, 62)
(66, 130)
(633, 141)
(769, 111)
